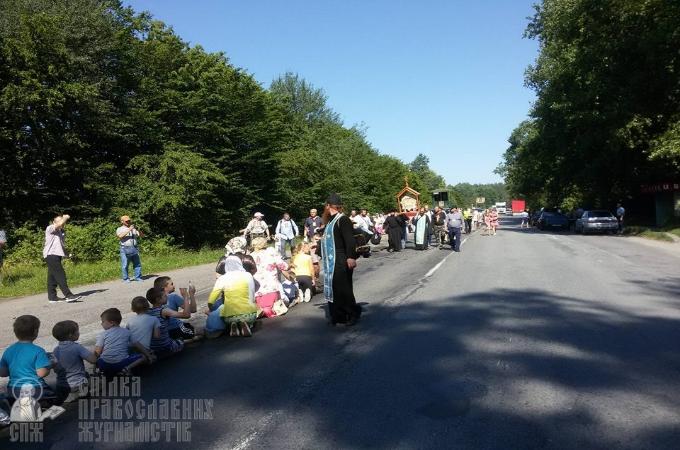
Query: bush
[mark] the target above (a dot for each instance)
(25, 244)
(92, 242)
(95, 241)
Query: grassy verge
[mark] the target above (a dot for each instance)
(647, 233)
(19, 280)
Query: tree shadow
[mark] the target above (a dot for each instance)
(508, 369)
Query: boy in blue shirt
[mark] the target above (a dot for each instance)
(72, 379)
(113, 346)
(178, 329)
(26, 363)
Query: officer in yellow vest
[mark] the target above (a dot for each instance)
(467, 215)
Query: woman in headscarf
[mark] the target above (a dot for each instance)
(237, 245)
(238, 310)
(338, 257)
(269, 264)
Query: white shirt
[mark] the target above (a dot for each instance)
(54, 241)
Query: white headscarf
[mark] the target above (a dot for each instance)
(233, 264)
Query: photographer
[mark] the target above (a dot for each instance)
(53, 252)
(129, 236)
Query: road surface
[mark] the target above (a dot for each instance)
(524, 340)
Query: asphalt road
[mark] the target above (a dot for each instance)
(524, 340)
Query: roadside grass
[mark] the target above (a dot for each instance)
(649, 233)
(26, 279)
(675, 231)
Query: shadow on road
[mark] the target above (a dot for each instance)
(421, 374)
(499, 370)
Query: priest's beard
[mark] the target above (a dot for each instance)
(326, 217)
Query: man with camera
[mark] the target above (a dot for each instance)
(54, 251)
(129, 236)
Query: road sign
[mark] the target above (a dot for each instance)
(480, 200)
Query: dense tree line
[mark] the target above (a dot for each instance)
(466, 194)
(607, 114)
(105, 111)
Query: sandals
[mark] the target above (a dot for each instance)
(245, 330)
(233, 330)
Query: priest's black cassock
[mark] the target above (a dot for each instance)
(394, 228)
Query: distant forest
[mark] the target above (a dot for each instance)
(105, 111)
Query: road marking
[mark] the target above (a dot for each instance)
(440, 263)
(246, 441)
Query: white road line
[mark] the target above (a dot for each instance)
(247, 440)
(440, 263)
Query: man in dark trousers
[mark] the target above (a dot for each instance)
(338, 259)
(454, 222)
(53, 252)
(439, 225)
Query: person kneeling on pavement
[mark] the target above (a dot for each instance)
(238, 310)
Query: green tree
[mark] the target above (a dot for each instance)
(607, 81)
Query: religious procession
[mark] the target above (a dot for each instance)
(265, 271)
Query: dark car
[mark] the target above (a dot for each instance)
(552, 220)
(596, 221)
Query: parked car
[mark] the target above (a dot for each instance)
(551, 220)
(596, 221)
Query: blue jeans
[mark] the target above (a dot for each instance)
(282, 246)
(125, 261)
(454, 239)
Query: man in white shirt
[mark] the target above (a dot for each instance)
(53, 252)
(365, 222)
(286, 230)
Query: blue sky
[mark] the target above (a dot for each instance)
(443, 78)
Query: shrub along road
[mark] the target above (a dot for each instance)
(522, 340)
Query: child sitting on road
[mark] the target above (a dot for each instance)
(316, 258)
(304, 270)
(289, 288)
(143, 326)
(25, 363)
(72, 379)
(178, 329)
(164, 345)
(113, 344)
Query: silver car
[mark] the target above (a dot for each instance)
(596, 221)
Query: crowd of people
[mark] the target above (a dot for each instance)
(254, 280)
